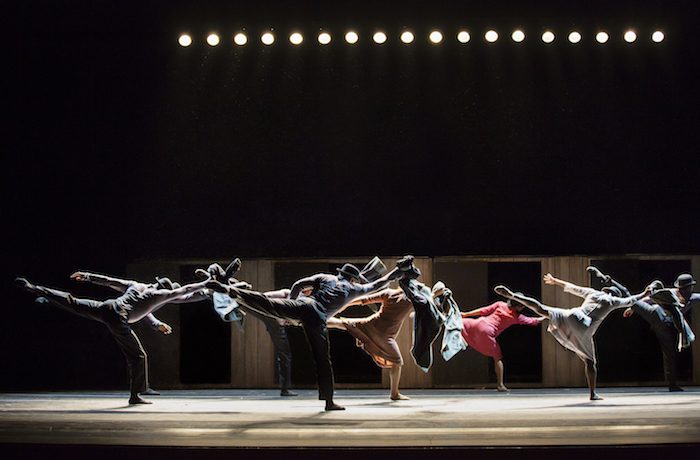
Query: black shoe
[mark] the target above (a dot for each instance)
(287, 393)
(150, 392)
(405, 263)
(675, 388)
(23, 283)
(136, 399)
(330, 405)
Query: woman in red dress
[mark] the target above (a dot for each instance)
(483, 325)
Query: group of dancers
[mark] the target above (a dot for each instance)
(313, 303)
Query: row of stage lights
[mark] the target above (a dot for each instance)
(407, 37)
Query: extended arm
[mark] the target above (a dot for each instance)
(568, 287)
(158, 325)
(103, 280)
(302, 283)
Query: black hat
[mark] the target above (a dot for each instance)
(684, 280)
(216, 271)
(351, 271)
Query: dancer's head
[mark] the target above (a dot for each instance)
(351, 273)
(685, 283)
(513, 305)
(612, 290)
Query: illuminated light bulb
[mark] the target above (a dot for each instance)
(548, 36)
(602, 37)
(491, 36)
(518, 36)
(184, 40)
(324, 38)
(351, 37)
(463, 36)
(435, 36)
(407, 37)
(213, 39)
(574, 37)
(240, 39)
(379, 37)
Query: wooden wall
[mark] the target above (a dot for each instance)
(252, 360)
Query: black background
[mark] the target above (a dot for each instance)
(123, 145)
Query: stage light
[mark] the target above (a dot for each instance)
(602, 37)
(518, 36)
(574, 37)
(463, 36)
(407, 37)
(240, 39)
(658, 36)
(267, 38)
(213, 39)
(435, 36)
(379, 37)
(548, 36)
(296, 38)
(351, 37)
(491, 36)
(630, 36)
(324, 38)
(184, 40)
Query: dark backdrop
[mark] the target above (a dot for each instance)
(122, 145)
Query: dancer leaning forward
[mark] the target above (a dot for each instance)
(574, 328)
(138, 301)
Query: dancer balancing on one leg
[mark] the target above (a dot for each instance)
(660, 320)
(376, 334)
(330, 294)
(480, 328)
(574, 328)
(138, 301)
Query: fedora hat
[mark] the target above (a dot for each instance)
(684, 280)
(374, 269)
(351, 271)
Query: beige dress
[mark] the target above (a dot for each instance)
(376, 334)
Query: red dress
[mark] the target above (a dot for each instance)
(481, 332)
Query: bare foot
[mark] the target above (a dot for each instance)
(503, 291)
(502, 388)
(399, 397)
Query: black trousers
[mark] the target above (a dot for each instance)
(664, 327)
(109, 314)
(313, 320)
(283, 351)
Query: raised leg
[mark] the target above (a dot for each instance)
(528, 302)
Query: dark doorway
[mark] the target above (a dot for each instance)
(205, 341)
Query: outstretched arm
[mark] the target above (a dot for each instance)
(102, 280)
(299, 285)
(568, 287)
(158, 325)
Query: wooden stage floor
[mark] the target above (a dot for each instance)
(471, 419)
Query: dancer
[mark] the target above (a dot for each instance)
(376, 334)
(138, 301)
(330, 294)
(574, 328)
(480, 328)
(434, 309)
(661, 321)
(679, 301)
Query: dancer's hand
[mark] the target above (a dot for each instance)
(79, 276)
(627, 313)
(165, 329)
(549, 279)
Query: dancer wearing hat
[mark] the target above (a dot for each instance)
(574, 328)
(679, 301)
(482, 326)
(660, 320)
(138, 301)
(330, 293)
